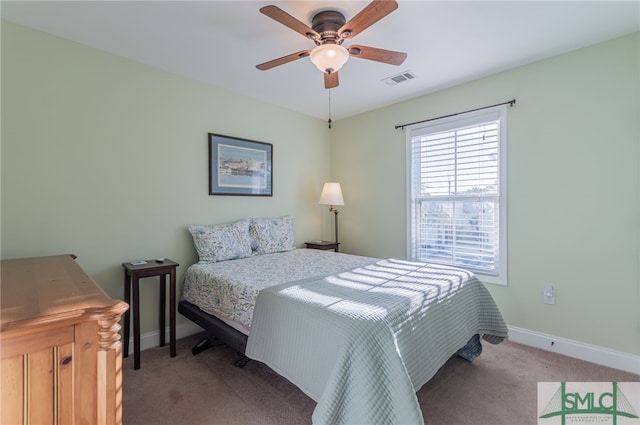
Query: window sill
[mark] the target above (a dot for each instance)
(487, 278)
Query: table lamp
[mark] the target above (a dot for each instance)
(332, 195)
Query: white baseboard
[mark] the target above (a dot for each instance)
(579, 350)
(151, 339)
(591, 353)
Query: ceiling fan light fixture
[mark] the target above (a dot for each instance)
(329, 58)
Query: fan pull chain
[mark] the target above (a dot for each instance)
(329, 121)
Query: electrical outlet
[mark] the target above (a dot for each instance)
(549, 296)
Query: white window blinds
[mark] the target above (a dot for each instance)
(457, 213)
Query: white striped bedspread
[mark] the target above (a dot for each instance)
(362, 342)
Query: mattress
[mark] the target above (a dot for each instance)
(229, 289)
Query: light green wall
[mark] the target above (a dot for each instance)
(573, 188)
(107, 158)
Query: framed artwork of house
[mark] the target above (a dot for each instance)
(239, 167)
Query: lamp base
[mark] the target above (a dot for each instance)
(335, 224)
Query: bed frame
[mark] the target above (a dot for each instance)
(218, 332)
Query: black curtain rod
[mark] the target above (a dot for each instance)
(510, 103)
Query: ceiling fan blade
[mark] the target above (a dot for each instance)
(378, 55)
(277, 14)
(368, 16)
(331, 80)
(285, 59)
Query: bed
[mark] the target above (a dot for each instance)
(359, 335)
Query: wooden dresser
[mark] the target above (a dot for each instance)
(60, 350)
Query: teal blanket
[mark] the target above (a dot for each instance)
(362, 342)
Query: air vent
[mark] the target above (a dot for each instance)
(399, 78)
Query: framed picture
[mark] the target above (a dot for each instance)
(239, 167)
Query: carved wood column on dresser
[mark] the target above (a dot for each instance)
(60, 350)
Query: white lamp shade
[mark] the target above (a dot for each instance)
(331, 194)
(329, 57)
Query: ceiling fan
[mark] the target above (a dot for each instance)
(328, 30)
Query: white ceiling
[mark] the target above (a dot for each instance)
(220, 42)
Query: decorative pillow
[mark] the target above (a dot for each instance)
(270, 235)
(222, 242)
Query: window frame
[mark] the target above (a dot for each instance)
(452, 122)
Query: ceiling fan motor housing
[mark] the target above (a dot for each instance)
(327, 23)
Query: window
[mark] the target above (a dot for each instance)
(457, 192)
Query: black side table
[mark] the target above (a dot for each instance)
(324, 245)
(132, 274)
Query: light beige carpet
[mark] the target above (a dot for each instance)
(499, 387)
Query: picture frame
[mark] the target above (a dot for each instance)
(239, 167)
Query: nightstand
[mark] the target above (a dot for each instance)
(132, 274)
(324, 245)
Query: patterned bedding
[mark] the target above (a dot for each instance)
(228, 289)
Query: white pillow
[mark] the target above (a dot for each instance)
(270, 235)
(222, 242)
